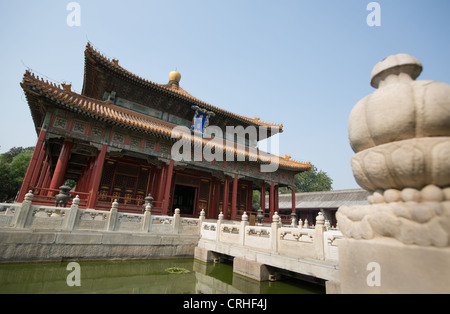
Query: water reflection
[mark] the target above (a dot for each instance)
(141, 277)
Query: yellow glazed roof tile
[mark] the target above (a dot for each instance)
(175, 89)
(129, 118)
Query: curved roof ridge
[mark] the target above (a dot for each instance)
(114, 63)
(87, 103)
(117, 114)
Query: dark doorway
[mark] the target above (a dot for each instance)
(184, 198)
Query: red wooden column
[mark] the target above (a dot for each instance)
(234, 198)
(97, 176)
(32, 166)
(263, 196)
(217, 200)
(38, 167)
(81, 183)
(47, 180)
(293, 198)
(160, 191)
(214, 199)
(153, 182)
(250, 197)
(43, 173)
(272, 200)
(86, 180)
(166, 201)
(61, 165)
(225, 197)
(276, 199)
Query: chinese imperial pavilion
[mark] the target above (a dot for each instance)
(114, 140)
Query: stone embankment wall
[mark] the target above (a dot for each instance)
(41, 233)
(34, 246)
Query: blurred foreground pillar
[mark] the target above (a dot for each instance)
(401, 136)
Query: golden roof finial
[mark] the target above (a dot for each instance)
(174, 77)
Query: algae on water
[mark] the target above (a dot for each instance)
(176, 270)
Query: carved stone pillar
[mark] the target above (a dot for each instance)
(401, 136)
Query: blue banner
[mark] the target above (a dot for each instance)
(201, 119)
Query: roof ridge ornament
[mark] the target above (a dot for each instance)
(66, 87)
(174, 78)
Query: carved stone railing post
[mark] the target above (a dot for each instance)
(400, 134)
(113, 216)
(219, 226)
(22, 215)
(244, 223)
(147, 218)
(201, 219)
(275, 225)
(327, 225)
(318, 236)
(176, 221)
(293, 220)
(70, 220)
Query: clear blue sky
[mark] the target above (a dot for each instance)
(303, 63)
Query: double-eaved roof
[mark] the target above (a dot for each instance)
(92, 88)
(63, 97)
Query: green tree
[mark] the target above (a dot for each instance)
(13, 152)
(6, 186)
(13, 166)
(256, 197)
(311, 181)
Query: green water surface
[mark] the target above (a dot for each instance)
(141, 277)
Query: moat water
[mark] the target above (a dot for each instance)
(140, 277)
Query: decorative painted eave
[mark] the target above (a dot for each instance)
(174, 91)
(101, 110)
(105, 111)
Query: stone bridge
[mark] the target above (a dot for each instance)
(261, 252)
